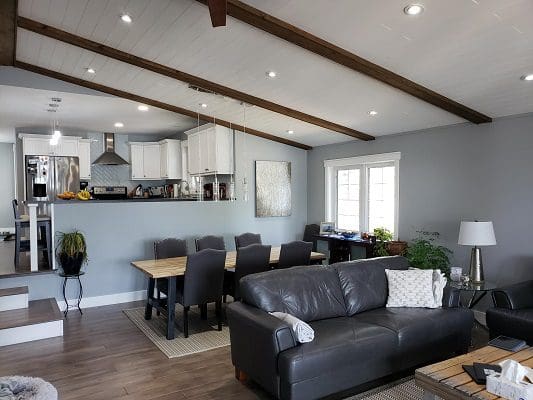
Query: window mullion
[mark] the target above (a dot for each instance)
(363, 200)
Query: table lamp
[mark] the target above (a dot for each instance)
(476, 234)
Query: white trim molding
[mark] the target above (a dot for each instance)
(97, 301)
(368, 159)
(29, 333)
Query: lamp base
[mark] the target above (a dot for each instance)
(476, 266)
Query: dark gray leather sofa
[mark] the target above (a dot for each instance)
(513, 314)
(357, 339)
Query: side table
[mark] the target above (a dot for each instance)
(66, 278)
(476, 291)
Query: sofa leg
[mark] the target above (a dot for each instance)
(240, 375)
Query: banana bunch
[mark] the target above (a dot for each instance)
(83, 195)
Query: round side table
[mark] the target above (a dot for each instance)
(476, 291)
(66, 278)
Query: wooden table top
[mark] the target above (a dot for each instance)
(166, 267)
(448, 380)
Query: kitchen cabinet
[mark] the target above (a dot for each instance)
(84, 155)
(39, 145)
(210, 150)
(170, 155)
(145, 159)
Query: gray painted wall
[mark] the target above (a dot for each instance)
(118, 233)
(7, 185)
(455, 173)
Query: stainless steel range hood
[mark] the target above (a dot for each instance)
(109, 157)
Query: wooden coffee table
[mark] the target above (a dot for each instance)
(448, 380)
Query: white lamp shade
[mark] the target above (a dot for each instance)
(476, 234)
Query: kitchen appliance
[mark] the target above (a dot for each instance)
(209, 191)
(109, 157)
(48, 176)
(110, 192)
(156, 191)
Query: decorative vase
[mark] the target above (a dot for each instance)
(71, 265)
(396, 247)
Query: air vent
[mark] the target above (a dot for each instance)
(200, 89)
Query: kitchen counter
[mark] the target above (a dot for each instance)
(133, 200)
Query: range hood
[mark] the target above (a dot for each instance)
(109, 157)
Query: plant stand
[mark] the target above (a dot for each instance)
(80, 291)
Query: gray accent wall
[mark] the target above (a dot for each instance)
(454, 173)
(118, 233)
(7, 185)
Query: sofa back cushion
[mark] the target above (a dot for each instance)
(364, 282)
(309, 293)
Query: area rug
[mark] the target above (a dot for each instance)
(405, 389)
(26, 388)
(203, 335)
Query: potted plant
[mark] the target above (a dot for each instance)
(383, 236)
(423, 253)
(71, 252)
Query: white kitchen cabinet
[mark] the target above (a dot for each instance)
(170, 155)
(210, 150)
(39, 145)
(84, 154)
(145, 159)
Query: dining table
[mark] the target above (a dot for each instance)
(172, 268)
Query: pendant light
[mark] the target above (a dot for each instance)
(245, 158)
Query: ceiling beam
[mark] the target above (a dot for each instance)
(217, 11)
(299, 37)
(8, 31)
(131, 59)
(154, 103)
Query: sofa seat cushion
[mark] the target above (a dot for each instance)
(338, 345)
(514, 323)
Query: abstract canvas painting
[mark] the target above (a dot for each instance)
(272, 189)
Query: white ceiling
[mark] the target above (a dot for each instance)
(471, 51)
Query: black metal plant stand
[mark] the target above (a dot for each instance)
(80, 292)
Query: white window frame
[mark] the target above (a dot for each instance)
(364, 163)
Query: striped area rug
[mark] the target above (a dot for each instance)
(203, 335)
(405, 389)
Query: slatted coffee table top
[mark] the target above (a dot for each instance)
(448, 380)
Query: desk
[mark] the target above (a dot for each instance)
(171, 268)
(340, 247)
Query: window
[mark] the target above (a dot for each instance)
(362, 192)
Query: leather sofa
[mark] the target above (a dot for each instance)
(513, 314)
(357, 340)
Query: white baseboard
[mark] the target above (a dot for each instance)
(10, 229)
(14, 302)
(29, 333)
(97, 301)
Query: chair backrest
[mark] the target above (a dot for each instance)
(16, 213)
(247, 239)
(251, 259)
(168, 248)
(309, 234)
(295, 253)
(210, 242)
(204, 277)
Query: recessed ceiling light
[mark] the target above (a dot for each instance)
(372, 113)
(119, 125)
(528, 77)
(142, 107)
(91, 71)
(290, 131)
(126, 18)
(203, 105)
(413, 9)
(271, 74)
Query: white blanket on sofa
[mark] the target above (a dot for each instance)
(304, 333)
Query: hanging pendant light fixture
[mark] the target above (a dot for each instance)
(245, 158)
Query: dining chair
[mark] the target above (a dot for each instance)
(250, 259)
(295, 253)
(310, 231)
(167, 248)
(247, 239)
(210, 242)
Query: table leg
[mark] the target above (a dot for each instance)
(171, 306)
(148, 310)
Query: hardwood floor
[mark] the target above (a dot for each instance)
(104, 356)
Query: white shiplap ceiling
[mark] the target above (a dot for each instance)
(459, 49)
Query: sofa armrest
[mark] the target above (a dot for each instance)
(451, 297)
(514, 297)
(257, 338)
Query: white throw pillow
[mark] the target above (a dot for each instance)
(411, 288)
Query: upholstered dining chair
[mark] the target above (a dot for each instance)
(168, 248)
(247, 239)
(309, 234)
(210, 242)
(295, 253)
(250, 259)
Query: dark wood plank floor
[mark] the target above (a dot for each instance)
(104, 356)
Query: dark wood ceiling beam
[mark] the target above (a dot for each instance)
(131, 59)
(154, 103)
(8, 31)
(277, 27)
(217, 11)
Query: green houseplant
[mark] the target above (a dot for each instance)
(71, 251)
(423, 253)
(383, 236)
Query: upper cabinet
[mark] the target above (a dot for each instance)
(39, 145)
(84, 154)
(145, 160)
(171, 160)
(210, 150)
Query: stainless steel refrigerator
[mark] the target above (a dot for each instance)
(48, 176)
